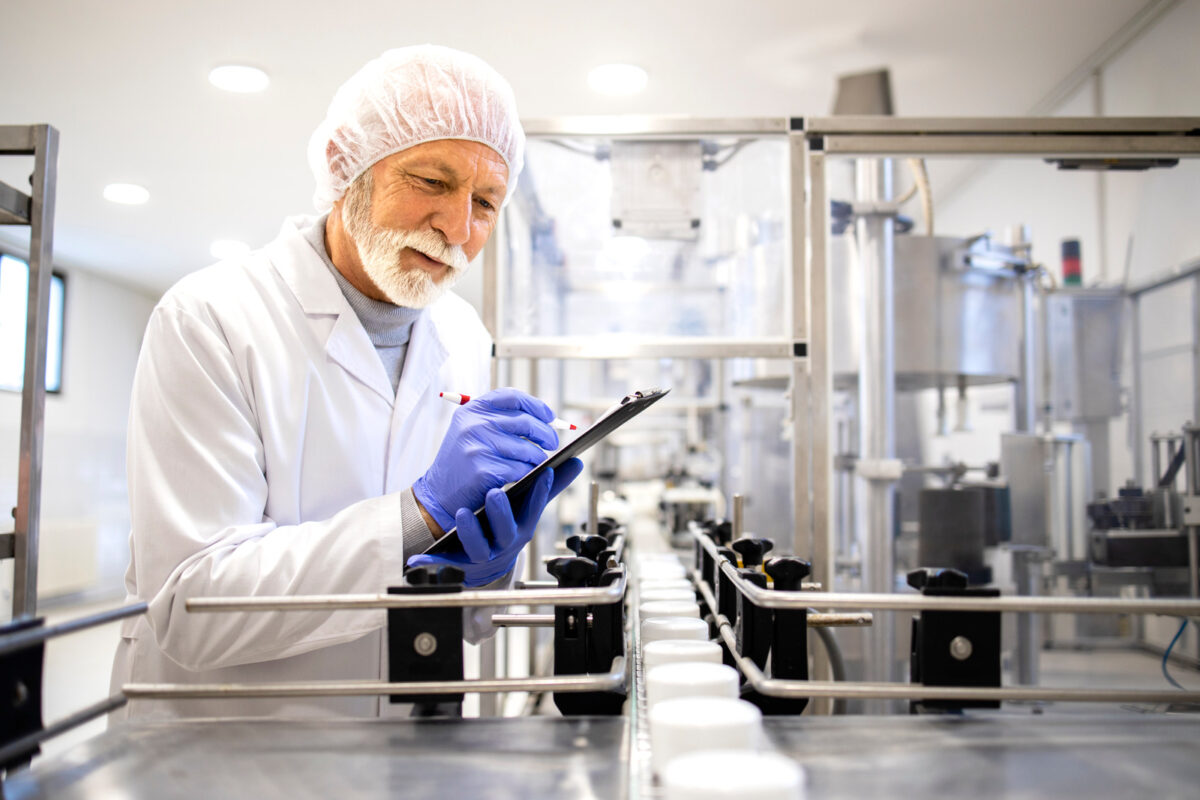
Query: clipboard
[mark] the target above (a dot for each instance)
(629, 407)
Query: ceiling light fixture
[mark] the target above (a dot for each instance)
(617, 79)
(222, 249)
(239, 78)
(128, 194)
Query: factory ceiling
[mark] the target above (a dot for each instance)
(126, 84)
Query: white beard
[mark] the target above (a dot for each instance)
(379, 252)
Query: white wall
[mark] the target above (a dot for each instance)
(1149, 215)
(85, 516)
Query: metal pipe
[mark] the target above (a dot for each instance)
(1182, 272)
(739, 519)
(819, 542)
(27, 744)
(1191, 457)
(611, 680)
(876, 391)
(817, 619)
(590, 596)
(32, 636)
(1027, 388)
(1135, 403)
(775, 687)
(1196, 348)
(768, 598)
(527, 620)
(1193, 561)
(1029, 635)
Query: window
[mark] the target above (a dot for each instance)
(14, 293)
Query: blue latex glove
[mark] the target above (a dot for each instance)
(482, 562)
(493, 440)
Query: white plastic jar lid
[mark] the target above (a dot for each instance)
(670, 608)
(655, 629)
(660, 569)
(654, 595)
(679, 651)
(669, 681)
(649, 584)
(687, 724)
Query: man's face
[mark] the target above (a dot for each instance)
(418, 217)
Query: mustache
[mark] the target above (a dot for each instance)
(428, 242)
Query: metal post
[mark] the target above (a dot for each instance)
(820, 378)
(816, 378)
(876, 386)
(1135, 404)
(33, 396)
(802, 430)
(1027, 417)
(1196, 348)
(1027, 572)
(738, 525)
(593, 519)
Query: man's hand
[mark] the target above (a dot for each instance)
(493, 440)
(483, 562)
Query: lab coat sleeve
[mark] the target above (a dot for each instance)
(477, 622)
(198, 494)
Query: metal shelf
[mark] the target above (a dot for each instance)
(14, 206)
(647, 127)
(611, 347)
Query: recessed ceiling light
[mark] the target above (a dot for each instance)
(617, 79)
(222, 249)
(239, 78)
(129, 194)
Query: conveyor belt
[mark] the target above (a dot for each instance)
(1015, 756)
(489, 759)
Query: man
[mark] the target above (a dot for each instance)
(286, 436)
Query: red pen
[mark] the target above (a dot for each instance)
(463, 399)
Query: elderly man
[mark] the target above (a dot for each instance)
(286, 436)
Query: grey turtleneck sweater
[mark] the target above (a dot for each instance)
(389, 328)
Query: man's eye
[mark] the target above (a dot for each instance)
(432, 181)
(487, 205)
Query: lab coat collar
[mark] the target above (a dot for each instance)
(319, 295)
(315, 289)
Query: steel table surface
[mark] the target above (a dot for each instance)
(538, 757)
(1009, 755)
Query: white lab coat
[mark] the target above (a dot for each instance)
(266, 454)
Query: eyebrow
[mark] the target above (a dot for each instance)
(441, 166)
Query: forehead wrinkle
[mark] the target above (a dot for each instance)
(436, 163)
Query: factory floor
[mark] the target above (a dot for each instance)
(78, 667)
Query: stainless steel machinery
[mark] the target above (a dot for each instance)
(740, 311)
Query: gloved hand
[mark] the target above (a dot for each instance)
(482, 562)
(493, 440)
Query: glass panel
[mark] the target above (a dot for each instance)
(14, 290)
(648, 238)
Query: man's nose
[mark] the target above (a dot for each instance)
(453, 220)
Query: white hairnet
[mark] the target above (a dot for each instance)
(408, 96)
